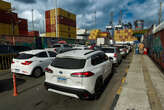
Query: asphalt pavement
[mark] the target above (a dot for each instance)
(33, 96)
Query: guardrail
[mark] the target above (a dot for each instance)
(5, 61)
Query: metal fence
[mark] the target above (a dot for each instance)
(5, 61)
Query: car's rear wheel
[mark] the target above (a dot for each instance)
(37, 72)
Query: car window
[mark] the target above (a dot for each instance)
(108, 50)
(42, 55)
(52, 54)
(67, 46)
(95, 60)
(103, 57)
(63, 63)
(56, 46)
(24, 56)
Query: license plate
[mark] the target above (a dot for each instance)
(17, 70)
(61, 79)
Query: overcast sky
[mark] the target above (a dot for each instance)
(85, 11)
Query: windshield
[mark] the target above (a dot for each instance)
(65, 63)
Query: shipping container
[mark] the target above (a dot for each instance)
(34, 33)
(6, 29)
(47, 14)
(5, 5)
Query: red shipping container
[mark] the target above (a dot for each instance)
(34, 33)
(48, 21)
(47, 14)
(48, 28)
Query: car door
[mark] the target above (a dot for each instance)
(43, 59)
(107, 64)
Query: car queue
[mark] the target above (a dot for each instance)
(78, 72)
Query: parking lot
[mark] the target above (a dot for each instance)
(33, 96)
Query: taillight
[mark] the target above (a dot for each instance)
(12, 62)
(55, 49)
(26, 63)
(115, 55)
(48, 70)
(82, 74)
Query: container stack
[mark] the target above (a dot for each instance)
(104, 34)
(8, 20)
(34, 33)
(124, 35)
(66, 23)
(94, 34)
(23, 26)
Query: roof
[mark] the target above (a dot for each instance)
(33, 51)
(80, 54)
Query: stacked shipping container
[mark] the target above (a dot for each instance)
(66, 23)
(94, 34)
(23, 26)
(9, 21)
(124, 35)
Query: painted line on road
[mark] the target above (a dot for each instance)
(119, 91)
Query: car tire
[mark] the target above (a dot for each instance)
(98, 87)
(37, 72)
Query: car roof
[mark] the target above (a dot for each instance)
(109, 47)
(35, 51)
(79, 54)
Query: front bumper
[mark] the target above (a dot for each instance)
(81, 93)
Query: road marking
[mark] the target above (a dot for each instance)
(151, 91)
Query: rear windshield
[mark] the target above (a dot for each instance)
(67, 46)
(24, 56)
(108, 50)
(56, 46)
(68, 63)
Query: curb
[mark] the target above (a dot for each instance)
(119, 91)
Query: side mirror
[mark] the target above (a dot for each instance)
(111, 59)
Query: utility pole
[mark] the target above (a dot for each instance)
(32, 20)
(120, 18)
(56, 16)
(95, 19)
(160, 13)
(111, 19)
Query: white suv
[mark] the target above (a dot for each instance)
(32, 62)
(78, 73)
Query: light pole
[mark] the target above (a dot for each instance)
(56, 19)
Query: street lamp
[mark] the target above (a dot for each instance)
(56, 19)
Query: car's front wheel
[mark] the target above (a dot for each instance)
(37, 72)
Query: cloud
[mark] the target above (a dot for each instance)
(27, 1)
(85, 11)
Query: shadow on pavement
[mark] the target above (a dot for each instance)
(7, 84)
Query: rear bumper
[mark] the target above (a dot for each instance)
(81, 93)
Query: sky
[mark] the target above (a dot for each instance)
(132, 10)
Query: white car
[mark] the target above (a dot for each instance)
(78, 73)
(113, 53)
(32, 62)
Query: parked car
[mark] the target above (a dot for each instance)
(123, 50)
(32, 62)
(113, 52)
(82, 47)
(78, 73)
(59, 47)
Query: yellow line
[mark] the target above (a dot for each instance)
(119, 90)
(126, 70)
(123, 80)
